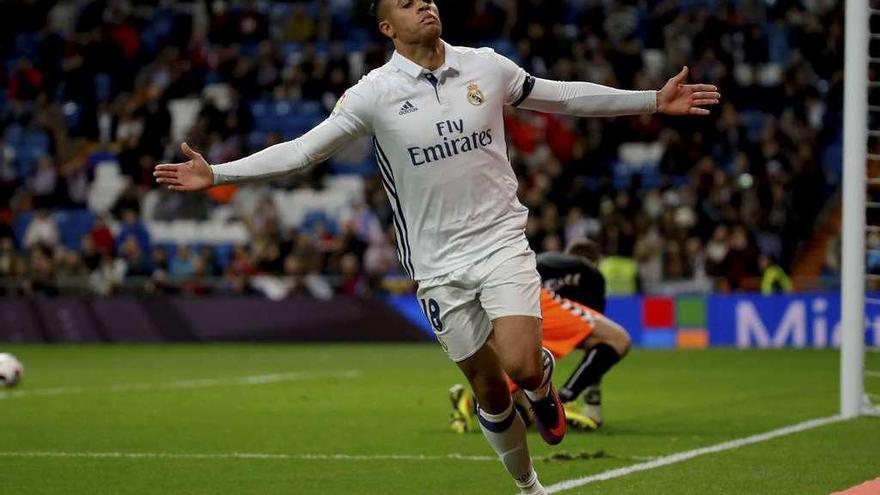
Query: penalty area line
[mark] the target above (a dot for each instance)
(690, 454)
(186, 384)
(252, 456)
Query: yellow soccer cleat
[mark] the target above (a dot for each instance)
(457, 423)
(579, 421)
(463, 417)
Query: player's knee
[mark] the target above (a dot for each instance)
(528, 374)
(493, 396)
(611, 334)
(622, 342)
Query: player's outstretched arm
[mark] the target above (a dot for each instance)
(584, 99)
(348, 121)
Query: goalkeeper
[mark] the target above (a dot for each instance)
(572, 303)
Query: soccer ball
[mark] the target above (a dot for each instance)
(11, 370)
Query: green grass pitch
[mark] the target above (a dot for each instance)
(193, 405)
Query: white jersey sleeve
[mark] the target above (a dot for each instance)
(350, 119)
(581, 99)
(519, 82)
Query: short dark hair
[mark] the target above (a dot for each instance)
(585, 248)
(375, 6)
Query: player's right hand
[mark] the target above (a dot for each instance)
(192, 175)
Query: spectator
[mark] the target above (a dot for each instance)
(10, 261)
(42, 231)
(26, 81)
(109, 275)
(183, 264)
(299, 282)
(159, 260)
(210, 263)
(101, 237)
(44, 183)
(353, 282)
(130, 199)
(9, 175)
(132, 226)
(89, 252)
(741, 263)
(136, 264)
(41, 273)
(773, 278)
(69, 264)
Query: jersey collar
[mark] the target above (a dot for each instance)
(415, 70)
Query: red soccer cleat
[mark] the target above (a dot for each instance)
(549, 411)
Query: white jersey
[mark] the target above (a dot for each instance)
(441, 149)
(440, 145)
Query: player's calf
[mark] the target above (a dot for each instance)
(608, 344)
(499, 421)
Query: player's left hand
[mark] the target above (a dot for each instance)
(678, 98)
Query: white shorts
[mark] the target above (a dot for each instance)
(461, 305)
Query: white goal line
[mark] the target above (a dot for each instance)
(184, 384)
(690, 454)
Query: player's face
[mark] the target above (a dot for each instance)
(411, 21)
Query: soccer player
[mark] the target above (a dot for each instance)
(435, 112)
(572, 303)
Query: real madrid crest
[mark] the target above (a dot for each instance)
(475, 96)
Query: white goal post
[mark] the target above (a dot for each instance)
(855, 156)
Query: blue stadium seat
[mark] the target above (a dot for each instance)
(259, 108)
(223, 254)
(103, 87)
(621, 181)
(316, 217)
(359, 37)
(832, 160)
(279, 11)
(322, 47)
(26, 44)
(312, 108)
(257, 140)
(72, 113)
(288, 49)
(29, 146)
(169, 247)
(19, 226)
(250, 49)
(506, 48)
(9, 65)
(364, 169)
(37, 139)
(73, 225)
(650, 177)
(13, 133)
(100, 156)
(754, 121)
(356, 45)
(290, 118)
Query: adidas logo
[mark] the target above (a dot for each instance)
(407, 108)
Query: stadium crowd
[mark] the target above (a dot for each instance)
(710, 202)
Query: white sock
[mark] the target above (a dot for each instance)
(534, 489)
(506, 434)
